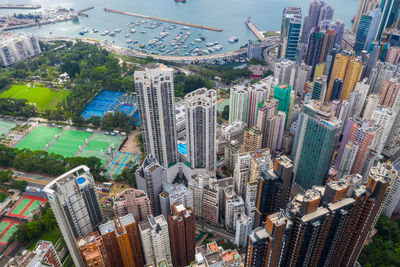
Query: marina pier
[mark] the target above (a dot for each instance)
(254, 29)
(82, 11)
(164, 20)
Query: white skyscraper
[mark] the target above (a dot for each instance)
(383, 117)
(283, 70)
(155, 240)
(155, 89)
(76, 206)
(243, 228)
(201, 128)
(242, 173)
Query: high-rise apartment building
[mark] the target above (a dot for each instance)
(16, 47)
(244, 100)
(319, 88)
(366, 30)
(150, 178)
(242, 173)
(201, 128)
(316, 135)
(324, 227)
(284, 94)
(338, 26)
(328, 44)
(346, 68)
(257, 246)
(156, 98)
(206, 196)
(273, 191)
(44, 254)
(359, 135)
(155, 240)
(76, 206)
(283, 70)
(364, 6)
(132, 201)
(382, 72)
(252, 139)
(290, 33)
(314, 49)
(175, 194)
(93, 250)
(389, 17)
(272, 124)
(182, 232)
(243, 228)
(121, 240)
(234, 206)
(319, 14)
(353, 75)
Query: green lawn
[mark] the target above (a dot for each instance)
(44, 98)
(52, 236)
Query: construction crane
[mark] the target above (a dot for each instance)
(385, 35)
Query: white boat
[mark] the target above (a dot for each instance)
(132, 30)
(127, 35)
(142, 31)
(233, 39)
(117, 30)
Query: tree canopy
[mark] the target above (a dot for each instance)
(384, 250)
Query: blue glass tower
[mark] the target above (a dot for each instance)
(290, 32)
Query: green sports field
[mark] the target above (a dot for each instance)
(98, 146)
(44, 98)
(32, 207)
(6, 126)
(9, 233)
(38, 138)
(68, 143)
(21, 206)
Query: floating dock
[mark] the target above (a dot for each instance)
(254, 29)
(164, 20)
(16, 6)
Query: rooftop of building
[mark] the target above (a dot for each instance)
(259, 233)
(230, 255)
(81, 175)
(213, 258)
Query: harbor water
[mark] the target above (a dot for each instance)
(228, 15)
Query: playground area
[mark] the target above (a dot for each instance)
(110, 101)
(69, 143)
(121, 161)
(7, 228)
(101, 146)
(6, 126)
(25, 206)
(39, 138)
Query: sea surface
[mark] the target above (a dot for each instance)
(228, 15)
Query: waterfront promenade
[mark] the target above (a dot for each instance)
(164, 20)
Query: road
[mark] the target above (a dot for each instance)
(217, 231)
